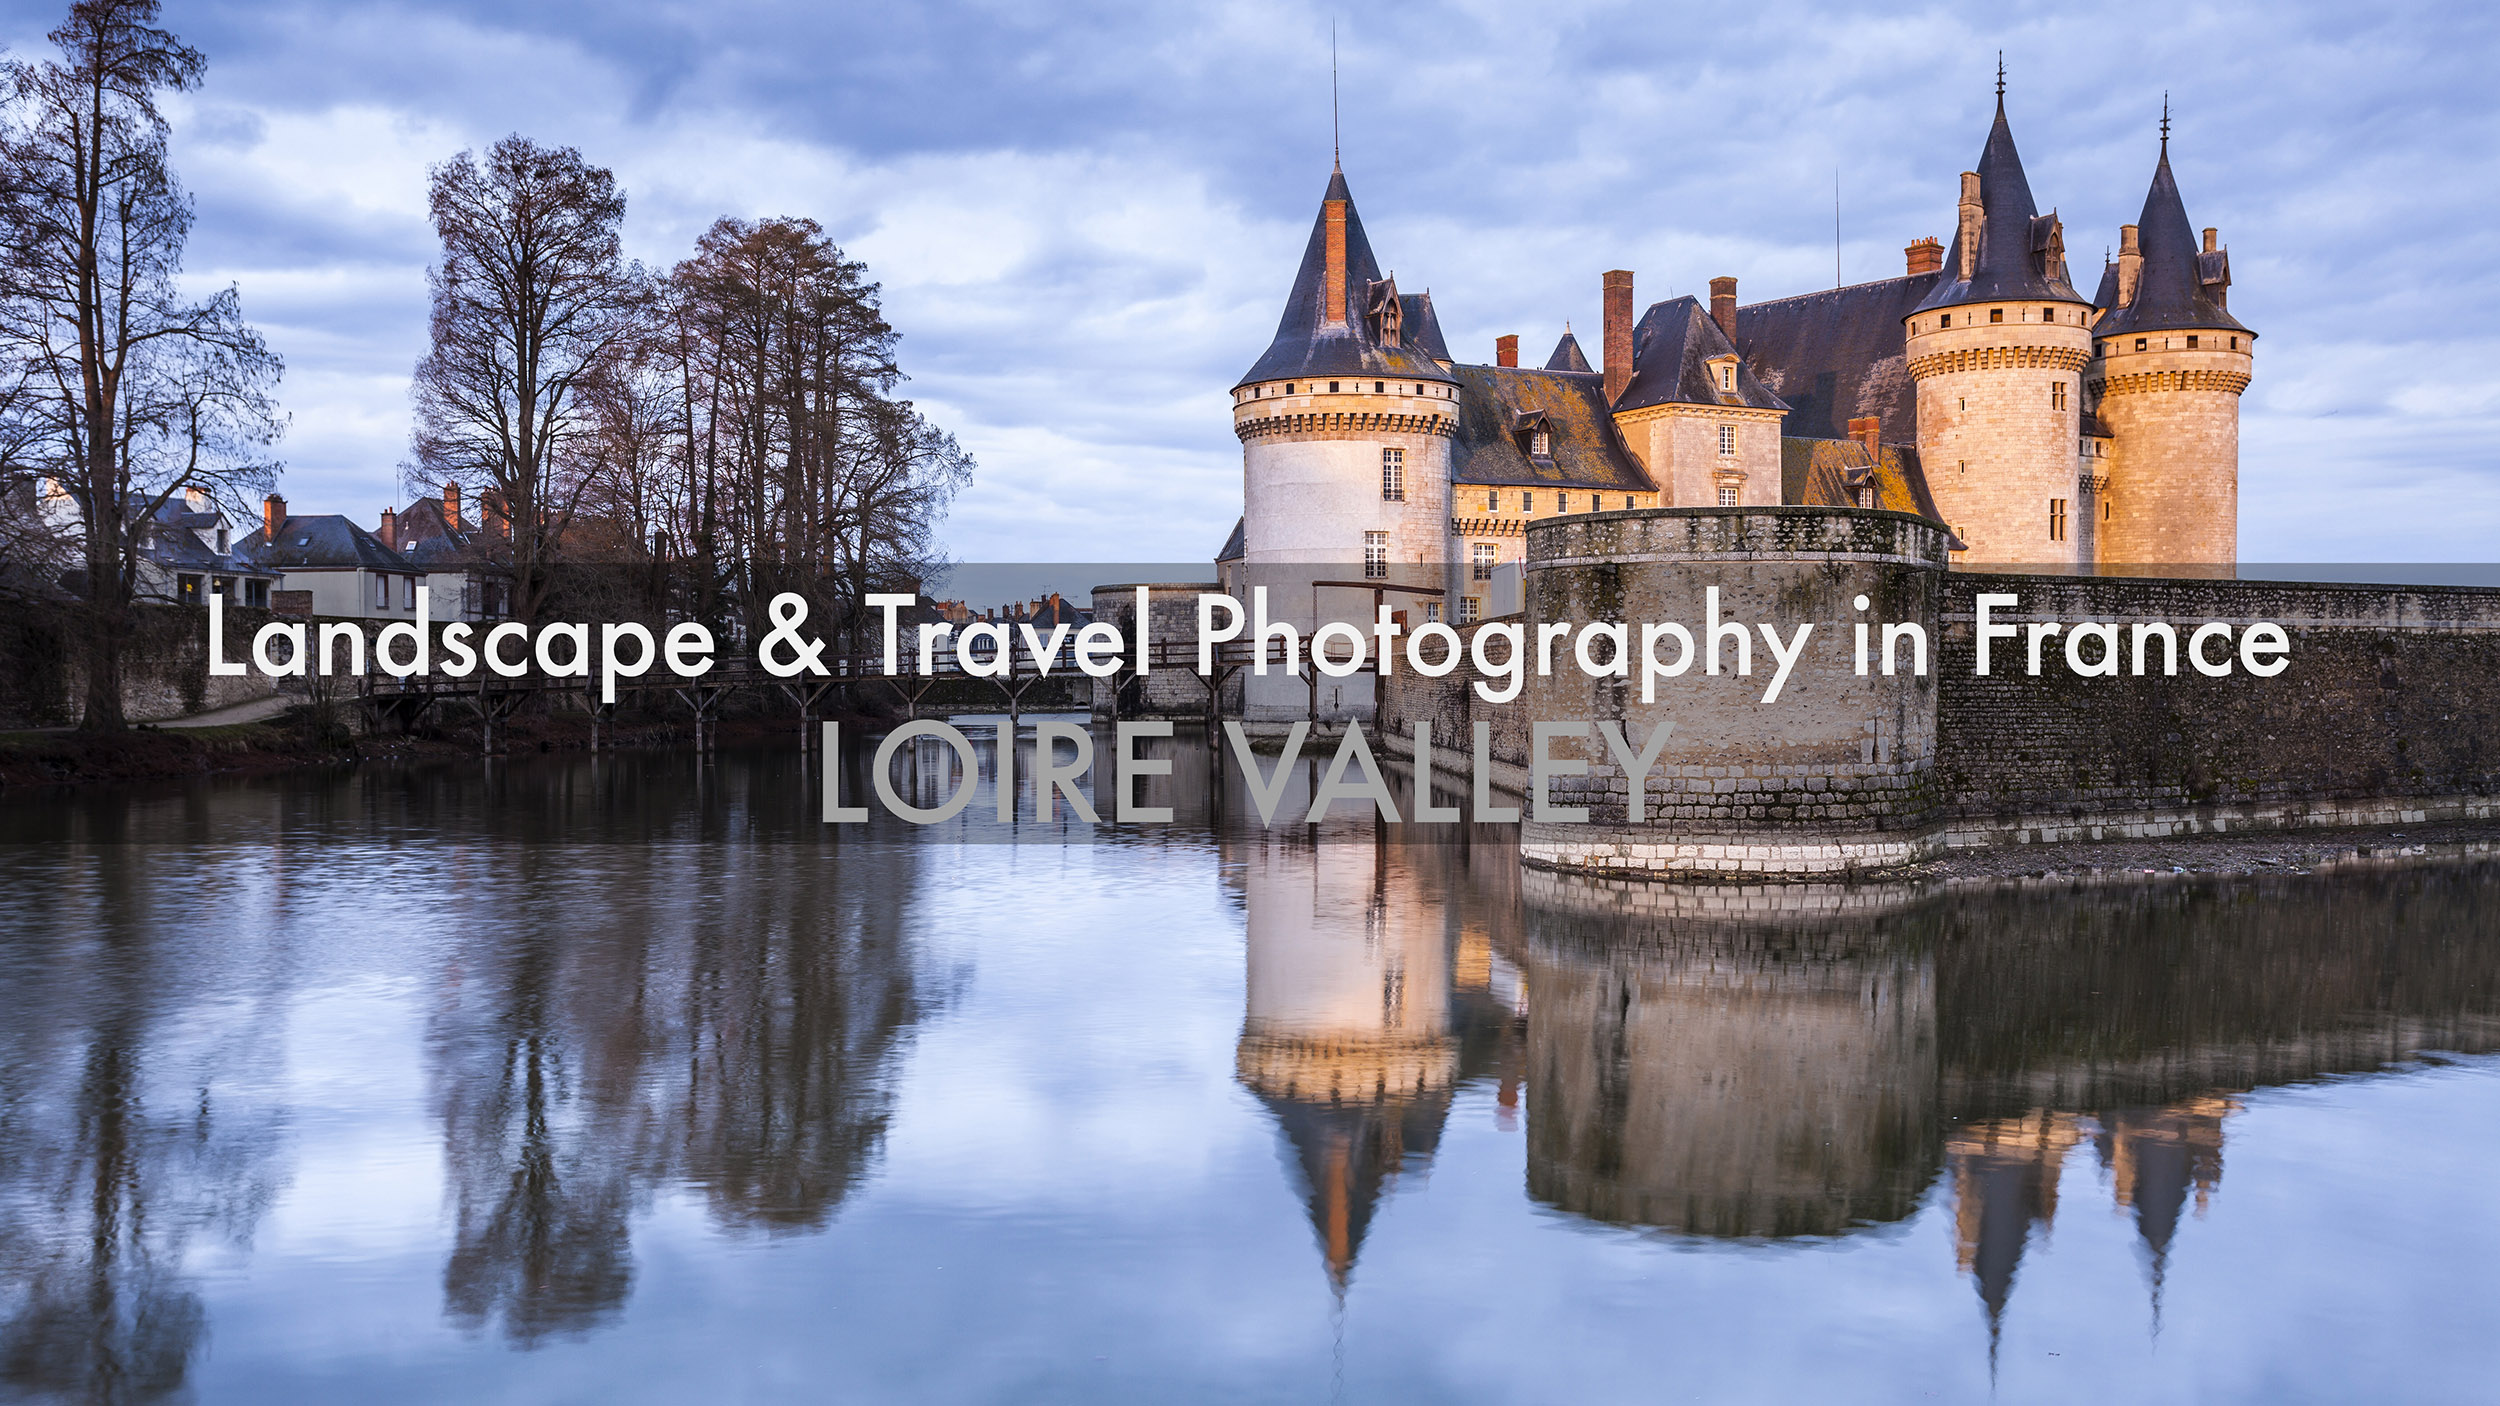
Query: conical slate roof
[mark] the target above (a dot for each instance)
(2179, 284)
(1306, 346)
(2016, 261)
(1567, 356)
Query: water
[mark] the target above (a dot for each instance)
(624, 1080)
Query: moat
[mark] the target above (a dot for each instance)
(622, 1078)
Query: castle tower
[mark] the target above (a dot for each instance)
(1345, 426)
(2165, 380)
(1998, 350)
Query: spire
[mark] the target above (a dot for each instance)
(2021, 252)
(1329, 327)
(2000, 85)
(1336, 133)
(2179, 285)
(1568, 356)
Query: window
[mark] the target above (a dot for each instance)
(2057, 395)
(1627, 502)
(1380, 388)
(1332, 388)
(1393, 475)
(1375, 555)
(1996, 314)
(381, 592)
(1727, 376)
(1944, 321)
(256, 594)
(1470, 609)
(2048, 314)
(224, 586)
(2107, 506)
(187, 589)
(1432, 612)
(1493, 500)
(1727, 496)
(1541, 445)
(1288, 387)
(2139, 344)
(2235, 344)
(1481, 559)
(1727, 441)
(221, 541)
(1527, 502)
(408, 592)
(2057, 519)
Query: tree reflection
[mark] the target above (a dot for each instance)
(725, 1020)
(122, 1138)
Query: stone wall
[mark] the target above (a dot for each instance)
(43, 680)
(2385, 714)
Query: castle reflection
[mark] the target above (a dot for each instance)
(1767, 1064)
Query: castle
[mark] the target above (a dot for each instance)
(2046, 430)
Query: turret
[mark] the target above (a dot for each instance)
(1345, 426)
(2169, 364)
(1998, 350)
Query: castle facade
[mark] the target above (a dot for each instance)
(2044, 429)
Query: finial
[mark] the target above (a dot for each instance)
(1336, 140)
(2165, 126)
(2000, 80)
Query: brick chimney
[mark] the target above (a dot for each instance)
(1506, 349)
(1332, 287)
(451, 506)
(1924, 255)
(1723, 305)
(2130, 264)
(272, 517)
(1618, 349)
(389, 532)
(1869, 431)
(1968, 231)
(2213, 237)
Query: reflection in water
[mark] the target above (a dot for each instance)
(130, 1122)
(1374, 992)
(1724, 1074)
(1782, 1062)
(720, 1023)
(632, 981)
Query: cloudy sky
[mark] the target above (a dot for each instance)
(1085, 216)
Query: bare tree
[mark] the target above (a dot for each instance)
(125, 389)
(531, 298)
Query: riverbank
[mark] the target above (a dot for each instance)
(156, 752)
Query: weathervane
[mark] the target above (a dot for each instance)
(2000, 78)
(2165, 125)
(1336, 138)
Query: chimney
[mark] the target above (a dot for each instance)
(1506, 349)
(389, 532)
(1723, 305)
(1618, 349)
(490, 507)
(1925, 255)
(451, 506)
(1868, 430)
(1969, 228)
(1332, 287)
(2211, 236)
(195, 498)
(272, 517)
(2130, 264)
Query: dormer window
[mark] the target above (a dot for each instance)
(1540, 445)
(1727, 378)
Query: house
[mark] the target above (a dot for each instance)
(462, 559)
(186, 548)
(336, 568)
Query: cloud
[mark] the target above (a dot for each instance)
(1084, 217)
